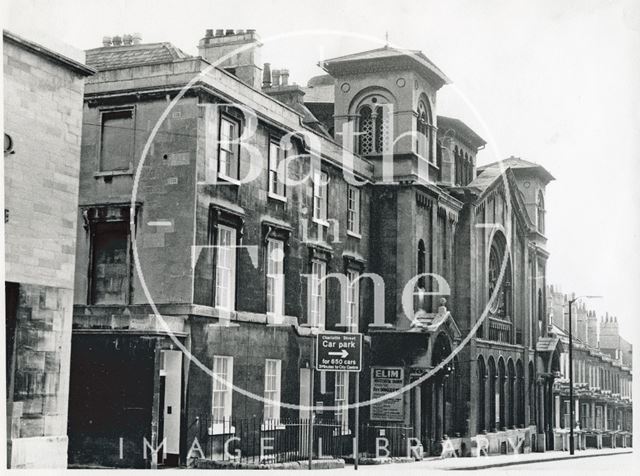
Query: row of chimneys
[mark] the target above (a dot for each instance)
(275, 78)
(220, 32)
(124, 40)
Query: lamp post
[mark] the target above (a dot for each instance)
(571, 407)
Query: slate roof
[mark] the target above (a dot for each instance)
(445, 123)
(115, 57)
(549, 344)
(516, 163)
(388, 54)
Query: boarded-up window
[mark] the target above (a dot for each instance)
(110, 270)
(116, 146)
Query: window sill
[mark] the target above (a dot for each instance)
(221, 429)
(275, 196)
(112, 173)
(354, 234)
(275, 319)
(320, 222)
(226, 178)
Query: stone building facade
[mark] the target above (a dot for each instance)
(204, 263)
(43, 94)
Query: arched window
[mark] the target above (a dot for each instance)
(501, 305)
(541, 212)
(540, 313)
(492, 394)
(423, 138)
(481, 406)
(511, 400)
(520, 394)
(532, 395)
(439, 157)
(373, 127)
(502, 404)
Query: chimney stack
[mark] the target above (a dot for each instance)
(106, 41)
(117, 40)
(244, 63)
(266, 75)
(275, 76)
(136, 38)
(127, 40)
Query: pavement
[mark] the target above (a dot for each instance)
(484, 462)
(584, 463)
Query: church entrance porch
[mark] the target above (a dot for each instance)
(429, 407)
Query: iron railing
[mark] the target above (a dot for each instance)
(252, 440)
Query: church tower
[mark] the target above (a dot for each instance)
(385, 104)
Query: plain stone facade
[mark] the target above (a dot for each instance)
(43, 93)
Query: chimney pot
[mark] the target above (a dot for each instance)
(285, 77)
(266, 75)
(239, 32)
(208, 33)
(219, 32)
(106, 41)
(136, 38)
(127, 39)
(228, 32)
(275, 77)
(117, 40)
(251, 31)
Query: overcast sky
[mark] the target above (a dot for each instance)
(556, 83)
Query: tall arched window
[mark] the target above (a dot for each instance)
(492, 393)
(520, 394)
(373, 126)
(541, 212)
(501, 305)
(540, 313)
(532, 395)
(481, 407)
(423, 138)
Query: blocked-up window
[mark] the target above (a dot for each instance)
(117, 140)
(110, 271)
(222, 388)
(272, 382)
(275, 277)
(225, 278)
(342, 401)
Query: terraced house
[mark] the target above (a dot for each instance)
(602, 375)
(215, 198)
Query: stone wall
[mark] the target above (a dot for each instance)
(43, 115)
